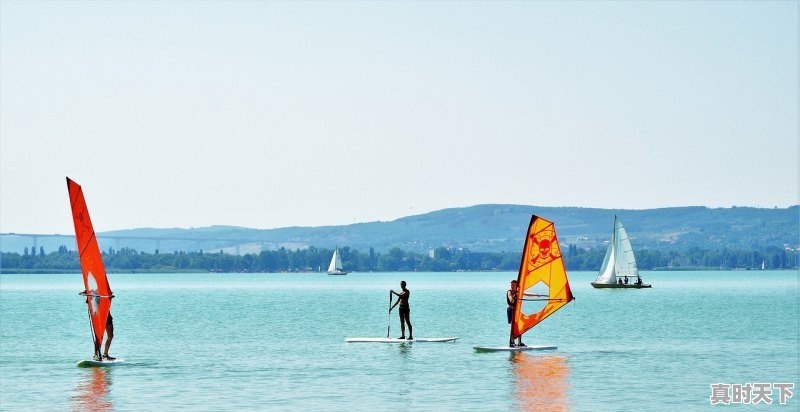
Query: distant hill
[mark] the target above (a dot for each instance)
(490, 228)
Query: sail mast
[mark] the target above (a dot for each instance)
(614, 236)
(614, 239)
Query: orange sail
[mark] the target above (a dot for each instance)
(98, 293)
(543, 284)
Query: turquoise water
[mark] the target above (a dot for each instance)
(275, 341)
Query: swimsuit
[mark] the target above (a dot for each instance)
(509, 309)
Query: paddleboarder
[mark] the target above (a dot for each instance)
(511, 299)
(404, 310)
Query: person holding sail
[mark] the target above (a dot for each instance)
(405, 310)
(511, 299)
(109, 336)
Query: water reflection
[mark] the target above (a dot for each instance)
(540, 382)
(404, 349)
(92, 391)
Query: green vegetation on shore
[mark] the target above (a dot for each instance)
(314, 259)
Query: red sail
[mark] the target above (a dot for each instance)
(543, 284)
(95, 283)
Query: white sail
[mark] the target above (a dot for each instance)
(607, 269)
(607, 274)
(619, 260)
(626, 262)
(336, 264)
(335, 260)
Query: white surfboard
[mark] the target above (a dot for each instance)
(391, 340)
(95, 364)
(514, 349)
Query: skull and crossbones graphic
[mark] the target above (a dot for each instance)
(542, 249)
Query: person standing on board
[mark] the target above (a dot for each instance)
(405, 311)
(109, 337)
(511, 299)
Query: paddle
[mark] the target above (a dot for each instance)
(389, 321)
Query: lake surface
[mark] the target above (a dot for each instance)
(275, 341)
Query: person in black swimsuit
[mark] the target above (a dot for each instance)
(511, 299)
(405, 311)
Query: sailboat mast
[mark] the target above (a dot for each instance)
(614, 245)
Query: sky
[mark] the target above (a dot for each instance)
(273, 114)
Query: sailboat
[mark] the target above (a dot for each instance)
(619, 265)
(96, 288)
(335, 268)
(543, 284)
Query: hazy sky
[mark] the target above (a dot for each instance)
(271, 114)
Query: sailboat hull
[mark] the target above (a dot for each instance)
(338, 273)
(618, 286)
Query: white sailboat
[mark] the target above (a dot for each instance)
(619, 265)
(335, 268)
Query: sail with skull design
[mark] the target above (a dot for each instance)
(542, 278)
(96, 289)
(543, 283)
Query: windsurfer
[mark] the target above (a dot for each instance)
(511, 299)
(109, 337)
(405, 311)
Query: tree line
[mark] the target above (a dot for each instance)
(314, 259)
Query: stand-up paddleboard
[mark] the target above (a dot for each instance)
(391, 340)
(514, 349)
(543, 287)
(96, 364)
(97, 291)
